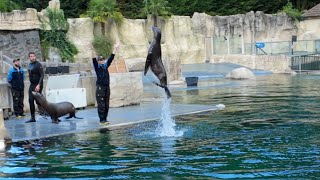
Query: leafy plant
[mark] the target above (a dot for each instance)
(53, 33)
(8, 5)
(292, 12)
(131, 8)
(102, 10)
(156, 8)
(102, 45)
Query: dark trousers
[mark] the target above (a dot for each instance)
(31, 100)
(103, 97)
(17, 97)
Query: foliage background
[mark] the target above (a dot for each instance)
(132, 8)
(56, 36)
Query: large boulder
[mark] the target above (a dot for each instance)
(241, 73)
(81, 35)
(135, 64)
(126, 89)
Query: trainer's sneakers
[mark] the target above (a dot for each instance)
(104, 122)
(18, 116)
(22, 115)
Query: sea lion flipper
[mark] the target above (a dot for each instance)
(148, 62)
(166, 89)
(167, 92)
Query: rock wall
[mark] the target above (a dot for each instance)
(184, 39)
(237, 33)
(19, 20)
(81, 34)
(309, 29)
(17, 44)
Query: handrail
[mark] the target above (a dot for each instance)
(306, 62)
(4, 62)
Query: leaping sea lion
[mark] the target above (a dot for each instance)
(154, 61)
(55, 110)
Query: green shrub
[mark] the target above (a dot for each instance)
(102, 10)
(102, 45)
(8, 5)
(292, 12)
(57, 35)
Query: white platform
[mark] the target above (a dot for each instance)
(65, 88)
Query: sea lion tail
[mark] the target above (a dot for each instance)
(77, 117)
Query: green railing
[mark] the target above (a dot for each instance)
(309, 62)
(237, 45)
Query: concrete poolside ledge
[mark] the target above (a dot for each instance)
(118, 117)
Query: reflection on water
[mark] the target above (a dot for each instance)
(268, 130)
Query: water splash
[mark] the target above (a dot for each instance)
(167, 124)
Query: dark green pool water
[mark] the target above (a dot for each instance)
(270, 129)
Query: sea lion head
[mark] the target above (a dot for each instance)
(37, 95)
(156, 33)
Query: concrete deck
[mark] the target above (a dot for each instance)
(21, 131)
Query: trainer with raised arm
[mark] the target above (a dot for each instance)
(103, 81)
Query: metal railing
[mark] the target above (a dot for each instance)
(236, 45)
(309, 62)
(4, 63)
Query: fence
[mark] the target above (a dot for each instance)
(235, 45)
(310, 62)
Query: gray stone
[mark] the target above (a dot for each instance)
(126, 89)
(17, 44)
(241, 73)
(81, 35)
(54, 4)
(135, 64)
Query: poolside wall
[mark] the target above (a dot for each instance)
(126, 89)
(275, 64)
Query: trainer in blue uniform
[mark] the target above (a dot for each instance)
(16, 80)
(103, 80)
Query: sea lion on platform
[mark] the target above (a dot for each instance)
(154, 61)
(55, 110)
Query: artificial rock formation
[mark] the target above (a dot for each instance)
(241, 73)
(127, 89)
(185, 39)
(135, 64)
(235, 34)
(17, 44)
(81, 35)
